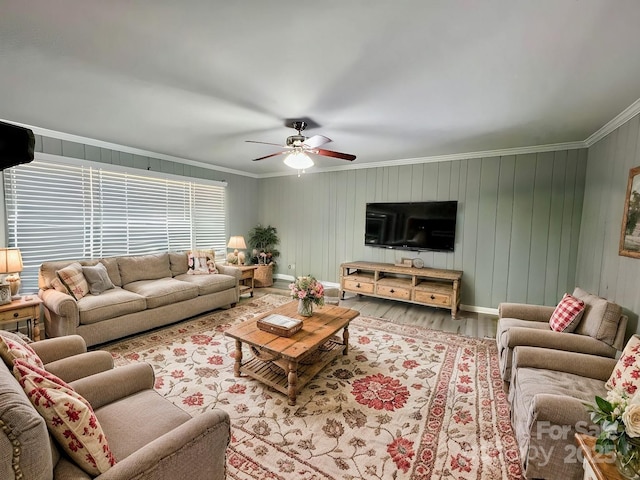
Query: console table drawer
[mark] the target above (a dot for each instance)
(356, 286)
(433, 298)
(394, 292)
(17, 314)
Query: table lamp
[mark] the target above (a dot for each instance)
(11, 266)
(237, 242)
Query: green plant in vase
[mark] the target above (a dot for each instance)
(263, 241)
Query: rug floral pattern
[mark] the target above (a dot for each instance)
(405, 403)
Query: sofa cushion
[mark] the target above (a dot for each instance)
(178, 263)
(12, 347)
(73, 278)
(110, 304)
(69, 418)
(601, 317)
(163, 291)
(209, 283)
(97, 278)
(567, 315)
(626, 373)
(144, 267)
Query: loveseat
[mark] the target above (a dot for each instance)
(147, 291)
(149, 437)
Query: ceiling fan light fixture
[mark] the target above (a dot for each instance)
(298, 160)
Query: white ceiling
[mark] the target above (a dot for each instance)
(386, 80)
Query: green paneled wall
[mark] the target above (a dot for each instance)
(518, 219)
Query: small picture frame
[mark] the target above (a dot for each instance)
(630, 232)
(5, 294)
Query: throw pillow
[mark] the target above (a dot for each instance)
(97, 278)
(73, 278)
(202, 262)
(57, 285)
(12, 348)
(601, 317)
(567, 315)
(69, 417)
(626, 374)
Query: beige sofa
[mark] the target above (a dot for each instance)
(548, 394)
(150, 291)
(601, 331)
(150, 437)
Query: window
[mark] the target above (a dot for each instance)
(60, 211)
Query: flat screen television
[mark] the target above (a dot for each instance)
(411, 225)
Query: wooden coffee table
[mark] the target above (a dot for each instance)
(287, 364)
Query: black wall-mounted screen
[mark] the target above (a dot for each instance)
(412, 226)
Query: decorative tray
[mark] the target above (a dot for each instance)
(279, 325)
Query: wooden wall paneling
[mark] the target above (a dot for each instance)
(357, 226)
(92, 153)
(72, 149)
(341, 220)
(458, 253)
(521, 228)
(540, 228)
(38, 144)
(429, 193)
(471, 222)
(576, 217)
(141, 162)
(349, 231)
(442, 193)
(52, 146)
(454, 194)
(504, 218)
(486, 236)
(554, 243)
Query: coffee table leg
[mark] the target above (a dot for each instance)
(293, 382)
(236, 366)
(345, 339)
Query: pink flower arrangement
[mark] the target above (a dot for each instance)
(308, 288)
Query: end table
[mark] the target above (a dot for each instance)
(247, 278)
(25, 309)
(596, 466)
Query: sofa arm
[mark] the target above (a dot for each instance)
(194, 450)
(556, 409)
(229, 270)
(570, 342)
(523, 311)
(107, 387)
(54, 349)
(80, 366)
(582, 364)
(61, 313)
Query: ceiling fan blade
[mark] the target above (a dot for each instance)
(330, 153)
(266, 143)
(269, 156)
(316, 141)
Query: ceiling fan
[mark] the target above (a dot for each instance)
(298, 147)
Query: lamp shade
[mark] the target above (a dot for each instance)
(298, 160)
(10, 260)
(237, 242)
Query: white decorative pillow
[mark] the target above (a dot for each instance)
(626, 374)
(567, 315)
(12, 348)
(202, 262)
(69, 418)
(73, 278)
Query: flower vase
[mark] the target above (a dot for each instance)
(628, 464)
(305, 307)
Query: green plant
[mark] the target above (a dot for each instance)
(263, 242)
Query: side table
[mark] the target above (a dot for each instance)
(25, 309)
(247, 279)
(596, 466)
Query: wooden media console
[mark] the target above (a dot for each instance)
(425, 286)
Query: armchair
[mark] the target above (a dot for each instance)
(150, 437)
(601, 331)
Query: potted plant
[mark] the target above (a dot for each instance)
(263, 242)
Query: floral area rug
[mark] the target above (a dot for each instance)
(405, 403)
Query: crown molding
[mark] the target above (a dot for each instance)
(123, 148)
(622, 118)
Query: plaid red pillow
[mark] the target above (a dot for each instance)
(567, 315)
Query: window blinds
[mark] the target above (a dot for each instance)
(59, 211)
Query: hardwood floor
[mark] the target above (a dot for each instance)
(467, 323)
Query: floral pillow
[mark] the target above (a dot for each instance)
(69, 417)
(202, 262)
(12, 347)
(73, 278)
(567, 315)
(626, 374)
